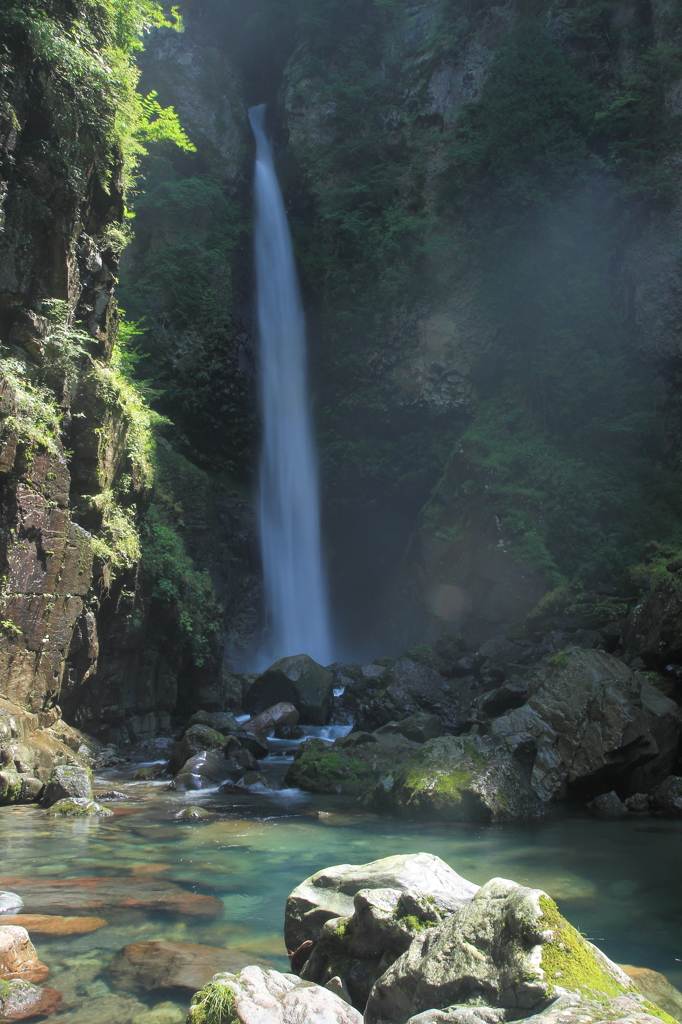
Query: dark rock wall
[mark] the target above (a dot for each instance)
(76, 627)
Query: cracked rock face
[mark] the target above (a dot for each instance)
(598, 726)
(329, 893)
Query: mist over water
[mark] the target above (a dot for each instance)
(288, 503)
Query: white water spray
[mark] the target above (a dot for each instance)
(289, 513)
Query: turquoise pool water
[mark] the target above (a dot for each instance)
(617, 881)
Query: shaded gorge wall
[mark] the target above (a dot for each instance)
(485, 205)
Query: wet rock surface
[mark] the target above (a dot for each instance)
(54, 924)
(67, 782)
(144, 966)
(18, 957)
(462, 778)
(91, 894)
(20, 1000)
(299, 681)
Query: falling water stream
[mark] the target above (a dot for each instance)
(289, 514)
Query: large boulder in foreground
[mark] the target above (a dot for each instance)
(255, 996)
(598, 727)
(299, 681)
(329, 893)
(508, 949)
(358, 949)
(462, 778)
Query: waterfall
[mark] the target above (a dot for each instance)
(289, 512)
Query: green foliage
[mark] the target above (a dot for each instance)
(178, 279)
(526, 139)
(117, 541)
(88, 54)
(121, 394)
(213, 1004)
(573, 605)
(33, 412)
(566, 433)
(186, 593)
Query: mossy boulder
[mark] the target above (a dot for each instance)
(68, 782)
(509, 949)
(358, 949)
(598, 727)
(10, 787)
(330, 894)
(320, 767)
(79, 807)
(461, 778)
(196, 739)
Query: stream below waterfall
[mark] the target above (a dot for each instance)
(616, 880)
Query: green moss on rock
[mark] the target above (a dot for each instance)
(214, 1004)
(568, 961)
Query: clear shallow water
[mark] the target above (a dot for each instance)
(617, 881)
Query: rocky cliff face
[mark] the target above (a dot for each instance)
(87, 621)
(456, 339)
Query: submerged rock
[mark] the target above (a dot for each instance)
(509, 948)
(162, 1013)
(18, 957)
(329, 893)
(42, 895)
(268, 997)
(79, 807)
(462, 778)
(145, 966)
(299, 681)
(656, 988)
(54, 924)
(20, 1000)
